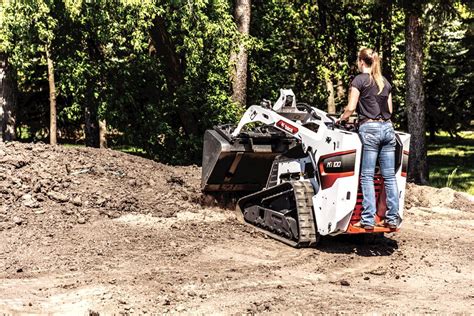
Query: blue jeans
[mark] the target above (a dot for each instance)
(378, 140)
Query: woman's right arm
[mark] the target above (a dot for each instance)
(390, 106)
(352, 104)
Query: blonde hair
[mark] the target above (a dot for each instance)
(372, 59)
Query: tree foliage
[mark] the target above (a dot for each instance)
(160, 72)
(450, 74)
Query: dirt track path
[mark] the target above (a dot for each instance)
(130, 236)
(206, 262)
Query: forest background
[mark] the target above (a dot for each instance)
(154, 75)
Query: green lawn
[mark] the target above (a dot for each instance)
(451, 162)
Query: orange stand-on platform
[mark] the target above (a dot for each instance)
(380, 198)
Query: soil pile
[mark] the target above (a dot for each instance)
(76, 185)
(428, 197)
(98, 231)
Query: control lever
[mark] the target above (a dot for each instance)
(333, 121)
(266, 103)
(309, 110)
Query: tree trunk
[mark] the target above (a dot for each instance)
(91, 118)
(8, 100)
(322, 16)
(52, 98)
(432, 129)
(102, 134)
(164, 47)
(415, 98)
(340, 91)
(242, 14)
(387, 40)
(379, 19)
(331, 99)
(92, 128)
(352, 45)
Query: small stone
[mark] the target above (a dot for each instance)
(28, 201)
(366, 278)
(345, 283)
(26, 197)
(122, 302)
(58, 197)
(77, 201)
(81, 220)
(100, 201)
(68, 212)
(17, 220)
(91, 212)
(378, 272)
(267, 306)
(113, 214)
(192, 294)
(20, 270)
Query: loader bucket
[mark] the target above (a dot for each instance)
(242, 163)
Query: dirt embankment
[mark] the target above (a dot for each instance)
(86, 230)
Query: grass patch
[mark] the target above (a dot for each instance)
(131, 150)
(451, 162)
(71, 145)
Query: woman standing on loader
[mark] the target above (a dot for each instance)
(371, 97)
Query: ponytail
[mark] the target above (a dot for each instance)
(376, 72)
(372, 59)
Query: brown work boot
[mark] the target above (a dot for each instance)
(364, 226)
(391, 225)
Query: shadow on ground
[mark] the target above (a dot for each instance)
(366, 245)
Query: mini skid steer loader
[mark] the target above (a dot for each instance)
(299, 171)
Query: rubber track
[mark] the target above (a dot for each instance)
(304, 199)
(308, 236)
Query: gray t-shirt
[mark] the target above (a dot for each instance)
(371, 105)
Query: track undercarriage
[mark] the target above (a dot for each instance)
(283, 212)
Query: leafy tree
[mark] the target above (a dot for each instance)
(108, 65)
(29, 41)
(449, 73)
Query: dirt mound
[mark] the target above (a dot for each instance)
(425, 196)
(80, 184)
